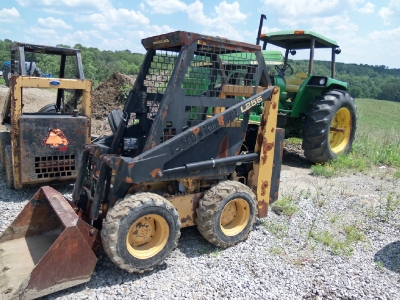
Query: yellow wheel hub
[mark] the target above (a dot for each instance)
(235, 217)
(147, 236)
(339, 132)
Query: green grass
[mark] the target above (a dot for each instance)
(2, 81)
(337, 245)
(287, 205)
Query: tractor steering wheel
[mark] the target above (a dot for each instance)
(282, 70)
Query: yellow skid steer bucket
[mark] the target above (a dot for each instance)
(47, 248)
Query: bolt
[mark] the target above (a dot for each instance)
(91, 232)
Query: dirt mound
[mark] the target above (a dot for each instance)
(106, 97)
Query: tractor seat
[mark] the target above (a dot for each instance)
(293, 84)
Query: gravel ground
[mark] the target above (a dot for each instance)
(284, 256)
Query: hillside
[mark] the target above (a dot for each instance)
(365, 81)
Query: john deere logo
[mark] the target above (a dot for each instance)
(56, 139)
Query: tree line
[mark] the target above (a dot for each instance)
(365, 81)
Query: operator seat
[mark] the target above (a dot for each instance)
(293, 84)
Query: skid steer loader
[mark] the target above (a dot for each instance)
(45, 146)
(183, 154)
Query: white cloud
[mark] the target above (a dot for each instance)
(221, 24)
(68, 6)
(367, 9)
(166, 6)
(9, 15)
(142, 6)
(114, 17)
(392, 11)
(51, 22)
(302, 8)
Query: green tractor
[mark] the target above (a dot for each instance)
(316, 108)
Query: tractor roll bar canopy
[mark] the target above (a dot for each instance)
(299, 40)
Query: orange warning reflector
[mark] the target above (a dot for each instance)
(262, 34)
(299, 32)
(55, 138)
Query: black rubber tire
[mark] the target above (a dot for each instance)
(115, 118)
(211, 207)
(5, 140)
(317, 121)
(119, 220)
(9, 168)
(49, 108)
(6, 76)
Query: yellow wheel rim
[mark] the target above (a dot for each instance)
(235, 217)
(147, 236)
(339, 132)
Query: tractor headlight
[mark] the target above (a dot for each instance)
(322, 81)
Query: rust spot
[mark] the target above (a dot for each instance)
(272, 129)
(274, 105)
(96, 153)
(128, 180)
(196, 130)
(263, 122)
(264, 187)
(223, 147)
(262, 209)
(130, 165)
(164, 114)
(154, 173)
(118, 162)
(184, 220)
(260, 138)
(275, 90)
(153, 144)
(266, 147)
(221, 121)
(97, 173)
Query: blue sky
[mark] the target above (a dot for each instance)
(368, 31)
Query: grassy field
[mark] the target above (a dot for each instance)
(379, 118)
(377, 141)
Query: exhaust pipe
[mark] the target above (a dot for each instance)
(47, 248)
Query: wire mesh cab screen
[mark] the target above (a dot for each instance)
(213, 72)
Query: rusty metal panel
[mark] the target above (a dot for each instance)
(276, 169)
(265, 145)
(50, 147)
(47, 248)
(186, 206)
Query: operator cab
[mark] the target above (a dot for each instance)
(293, 84)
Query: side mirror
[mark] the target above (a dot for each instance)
(293, 52)
(338, 50)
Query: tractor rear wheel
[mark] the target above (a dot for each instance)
(9, 167)
(5, 140)
(329, 126)
(7, 76)
(226, 213)
(140, 231)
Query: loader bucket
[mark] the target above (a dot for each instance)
(47, 248)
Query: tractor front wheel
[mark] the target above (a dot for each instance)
(140, 231)
(226, 213)
(329, 126)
